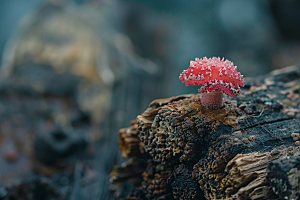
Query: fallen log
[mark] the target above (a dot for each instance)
(234, 152)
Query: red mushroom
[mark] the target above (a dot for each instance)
(216, 76)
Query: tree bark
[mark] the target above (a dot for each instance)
(231, 153)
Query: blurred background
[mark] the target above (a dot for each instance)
(73, 72)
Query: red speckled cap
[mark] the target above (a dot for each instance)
(213, 74)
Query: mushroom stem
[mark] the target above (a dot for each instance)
(212, 100)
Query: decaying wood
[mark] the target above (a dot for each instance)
(225, 153)
(129, 142)
(284, 175)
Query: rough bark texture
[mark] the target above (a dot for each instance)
(284, 175)
(225, 153)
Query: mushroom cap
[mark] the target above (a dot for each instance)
(213, 74)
